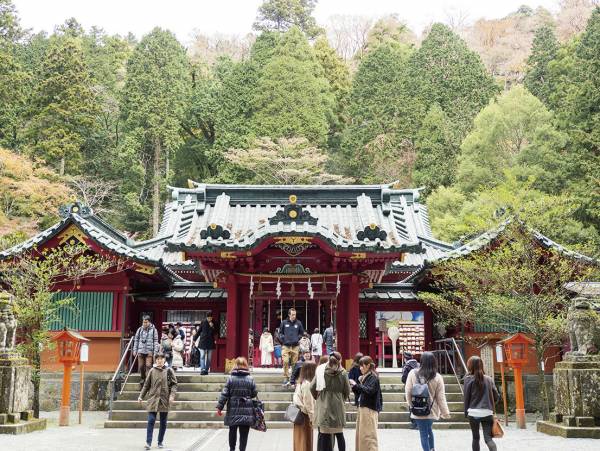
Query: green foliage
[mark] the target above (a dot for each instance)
(436, 150)
(338, 75)
(516, 122)
(10, 27)
(14, 89)
(281, 15)
(65, 106)
(445, 71)
(380, 110)
(456, 215)
(543, 51)
(293, 97)
(155, 94)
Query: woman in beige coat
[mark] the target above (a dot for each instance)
(438, 407)
(160, 386)
(303, 399)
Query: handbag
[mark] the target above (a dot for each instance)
(259, 416)
(294, 415)
(497, 429)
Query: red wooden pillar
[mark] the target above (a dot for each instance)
(243, 326)
(341, 323)
(231, 345)
(353, 317)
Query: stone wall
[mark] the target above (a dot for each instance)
(533, 398)
(95, 392)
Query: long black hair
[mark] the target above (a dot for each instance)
(428, 368)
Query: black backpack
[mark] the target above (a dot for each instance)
(420, 398)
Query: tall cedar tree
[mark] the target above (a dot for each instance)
(576, 97)
(379, 109)
(65, 106)
(337, 74)
(14, 90)
(445, 71)
(154, 100)
(543, 51)
(281, 15)
(293, 97)
(436, 149)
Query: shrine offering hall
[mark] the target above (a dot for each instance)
(343, 255)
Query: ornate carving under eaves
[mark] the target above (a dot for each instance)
(293, 213)
(290, 268)
(293, 245)
(215, 232)
(372, 232)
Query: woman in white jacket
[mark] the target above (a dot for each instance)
(266, 348)
(177, 352)
(316, 345)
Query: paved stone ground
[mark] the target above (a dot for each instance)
(92, 437)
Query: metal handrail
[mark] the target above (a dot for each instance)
(119, 372)
(459, 352)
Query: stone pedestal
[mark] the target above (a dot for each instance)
(577, 395)
(15, 416)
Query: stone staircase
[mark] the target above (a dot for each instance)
(197, 396)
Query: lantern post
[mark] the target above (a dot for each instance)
(68, 346)
(517, 350)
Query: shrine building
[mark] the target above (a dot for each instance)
(350, 256)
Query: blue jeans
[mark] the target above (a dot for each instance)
(205, 356)
(426, 431)
(161, 430)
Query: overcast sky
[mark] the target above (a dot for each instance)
(237, 16)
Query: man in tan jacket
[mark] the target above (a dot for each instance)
(160, 386)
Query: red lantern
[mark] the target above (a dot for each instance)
(68, 346)
(517, 354)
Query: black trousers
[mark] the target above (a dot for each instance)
(244, 430)
(486, 425)
(325, 442)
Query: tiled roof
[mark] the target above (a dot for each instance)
(353, 217)
(483, 240)
(188, 290)
(389, 291)
(96, 229)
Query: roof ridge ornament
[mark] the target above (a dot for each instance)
(293, 212)
(77, 208)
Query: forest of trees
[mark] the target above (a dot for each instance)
(497, 118)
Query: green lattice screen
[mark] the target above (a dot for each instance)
(90, 310)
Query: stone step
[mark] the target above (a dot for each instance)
(216, 387)
(191, 377)
(210, 415)
(268, 396)
(390, 406)
(273, 424)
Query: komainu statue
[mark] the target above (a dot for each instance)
(8, 323)
(583, 323)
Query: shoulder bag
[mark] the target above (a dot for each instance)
(497, 429)
(294, 415)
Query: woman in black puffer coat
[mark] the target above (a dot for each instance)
(237, 395)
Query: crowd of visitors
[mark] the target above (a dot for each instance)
(322, 389)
